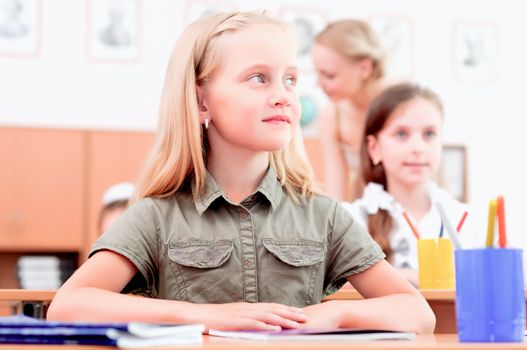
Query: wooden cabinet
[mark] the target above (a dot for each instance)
(42, 184)
(113, 157)
(51, 188)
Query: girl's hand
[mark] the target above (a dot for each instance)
(254, 316)
(324, 315)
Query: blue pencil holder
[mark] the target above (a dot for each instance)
(490, 296)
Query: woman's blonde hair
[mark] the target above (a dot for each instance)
(180, 149)
(355, 40)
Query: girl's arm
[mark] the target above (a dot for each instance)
(411, 276)
(92, 294)
(391, 304)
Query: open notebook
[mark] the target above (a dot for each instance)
(315, 334)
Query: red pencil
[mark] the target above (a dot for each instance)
(461, 222)
(502, 235)
(412, 227)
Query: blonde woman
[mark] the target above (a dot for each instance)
(350, 64)
(228, 229)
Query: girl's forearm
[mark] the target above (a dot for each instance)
(398, 312)
(94, 304)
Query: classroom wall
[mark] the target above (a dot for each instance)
(66, 81)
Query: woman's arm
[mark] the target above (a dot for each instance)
(391, 304)
(334, 167)
(92, 294)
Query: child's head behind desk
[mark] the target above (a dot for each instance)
(114, 203)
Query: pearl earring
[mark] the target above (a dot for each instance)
(206, 122)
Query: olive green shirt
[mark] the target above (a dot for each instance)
(207, 249)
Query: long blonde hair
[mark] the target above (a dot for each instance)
(355, 40)
(180, 149)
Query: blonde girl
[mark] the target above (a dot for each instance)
(228, 229)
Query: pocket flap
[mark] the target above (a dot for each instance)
(200, 254)
(296, 253)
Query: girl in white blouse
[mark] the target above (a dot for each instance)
(400, 154)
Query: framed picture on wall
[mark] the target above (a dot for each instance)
(114, 30)
(455, 169)
(307, 23)
(20, 27)
(195, 9)
(475, 51)
(397, 37)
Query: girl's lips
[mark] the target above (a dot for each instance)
(278, 119)
(415, 164)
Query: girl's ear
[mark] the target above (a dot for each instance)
(365, 67)
(202, 105)
(373, 149)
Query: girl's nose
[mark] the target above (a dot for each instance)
(280, 97)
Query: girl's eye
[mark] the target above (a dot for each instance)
(257, 78)
(328, 76)
(401, 134)
(430, 134)
(290, 81)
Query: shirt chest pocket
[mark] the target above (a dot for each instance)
(197, 265)
(200, 254)
(296, 253)
(295, 267)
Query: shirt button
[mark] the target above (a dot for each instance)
(248, 263)
(243, 214)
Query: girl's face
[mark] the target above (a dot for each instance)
(409, 146)
(251, 97)
(338, 76)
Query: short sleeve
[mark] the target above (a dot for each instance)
(134, 236)
(351, 250)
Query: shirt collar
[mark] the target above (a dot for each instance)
(270, 187)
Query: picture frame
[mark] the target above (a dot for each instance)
(475, 53)
(20, 28)
(114, 30)
(195, 9)
(455, 171)
(307, 23)
(396, 34)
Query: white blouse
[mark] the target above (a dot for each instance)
(402, 240)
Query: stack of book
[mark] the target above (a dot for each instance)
(43, 271)
(21, 329)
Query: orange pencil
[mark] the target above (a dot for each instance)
(502, 234)
(412, 227)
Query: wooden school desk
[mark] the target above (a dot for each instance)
(18, 299)
(422, 342)
(442, 302)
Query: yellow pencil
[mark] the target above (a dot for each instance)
(490, 228)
